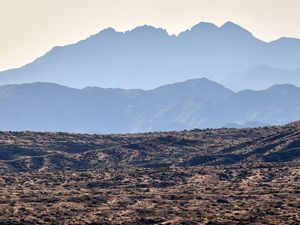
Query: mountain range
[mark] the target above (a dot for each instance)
(261, 77)
(196, 103)
(147, 57)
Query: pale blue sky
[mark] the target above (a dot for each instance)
(29, 28)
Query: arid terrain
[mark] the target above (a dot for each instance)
(213, 176)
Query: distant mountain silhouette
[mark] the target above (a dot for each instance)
(148, 57)
(278, 104)
(197, 103)
(261, 77)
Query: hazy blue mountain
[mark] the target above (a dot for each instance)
(197, 103)
(147, 57)
(51, 107)
(278, 104)
(261, 77)
(202, 88)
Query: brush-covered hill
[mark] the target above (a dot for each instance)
(27, 151)
(215, 176)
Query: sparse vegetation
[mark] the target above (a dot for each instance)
(222, 176)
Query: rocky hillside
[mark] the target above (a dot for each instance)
(28, 151)
(212, 177)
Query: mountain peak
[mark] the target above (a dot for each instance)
(205, 27)
(202, 80)
(195, 82)
(202, 28)
(286, 41)
(108, 32)
(109, 29)
(145, 27)
(202, 88)
(283, 87)
(209, 29)
(230, 27)
(147, 30)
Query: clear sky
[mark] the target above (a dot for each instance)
(29, 28)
